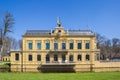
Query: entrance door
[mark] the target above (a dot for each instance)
(63, 57)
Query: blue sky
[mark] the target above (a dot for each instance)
(101, 16)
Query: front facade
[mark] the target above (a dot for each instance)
(48, 48)
(56, 50)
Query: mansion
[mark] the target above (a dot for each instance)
(59, 50)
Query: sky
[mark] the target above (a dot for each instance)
(101, 16)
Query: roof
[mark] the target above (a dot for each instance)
(37, 32)
(49, 32)
(80, 32)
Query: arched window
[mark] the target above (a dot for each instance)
(87, 57)
(55, 57)
(47, 58)
(71, 58)
(79, 57)
(63, 57)
(30, 57)
(38, 57)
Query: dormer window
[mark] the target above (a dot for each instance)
(59, 31)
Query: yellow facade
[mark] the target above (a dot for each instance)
(5, 58)
(56, 50)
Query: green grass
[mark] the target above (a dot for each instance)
(60, 76)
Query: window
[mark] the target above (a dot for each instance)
(17, 57)
(79, 45)
(47, 58)
(47, 46)
(38, 45)
(87, 57)
(30, 45)
(30, 57)
(71, 46)
(55, 57)
(79, 57)
(63, 57)
(59, 31)
(87, 45)
(38, 57)
(55, 46)
(63, 45)
(71, 58)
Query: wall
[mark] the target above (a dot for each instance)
(106, 66)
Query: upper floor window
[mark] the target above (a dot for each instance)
(79, 57)
(38, 57)
(55, 46)
(47, 45)
(87, 57)
(71, 45)
(59, 31)
(30, 45)
(30, 57)
(87, 45)
(17, 56)
(38, 45)
(79, 45)
(63, 45)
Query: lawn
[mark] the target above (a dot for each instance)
(60, 76)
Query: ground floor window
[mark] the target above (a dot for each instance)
(17, 56)
(79, 57)
(63, 57)
(38, 57)
(47, 58)
(30, 57)
(71, 58)
(55, 57)
(87, 57)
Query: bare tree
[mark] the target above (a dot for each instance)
(14, 44)
(101, 45)
(115, 46)
(108, 48)
(7, 27)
